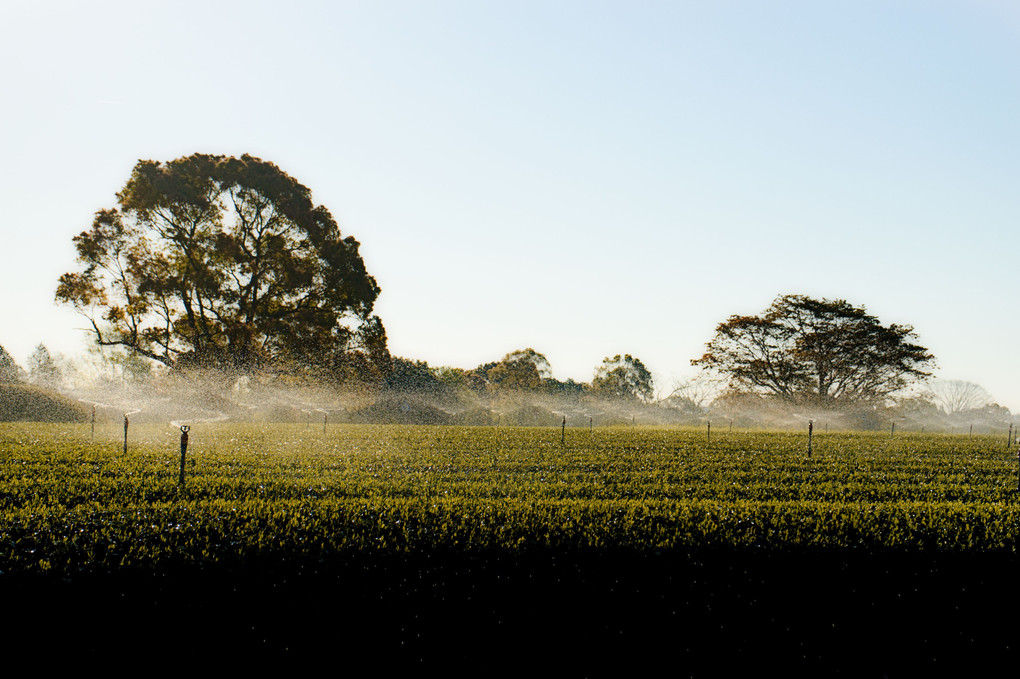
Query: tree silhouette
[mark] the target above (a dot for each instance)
(825, 351)
(226, 262)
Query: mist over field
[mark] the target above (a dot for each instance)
(203, 398)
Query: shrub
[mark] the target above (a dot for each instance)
(28, 403)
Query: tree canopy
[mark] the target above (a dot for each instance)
(826, 351)
(412, 376)
(521, 370)
(226, 262)
(623, 377)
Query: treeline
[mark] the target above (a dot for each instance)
(522, 371)
(517, 390)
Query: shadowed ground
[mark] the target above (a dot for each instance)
(568, 615)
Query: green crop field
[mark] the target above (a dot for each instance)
(425, 518)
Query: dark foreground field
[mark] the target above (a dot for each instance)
(544, 614)
(500, 551)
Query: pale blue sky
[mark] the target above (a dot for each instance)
(585, 178)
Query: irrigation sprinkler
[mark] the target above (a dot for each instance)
(892, 431)
(590, 425)
(93, 421)
(810, 431)
(563, 431)
(126, 415)
(325, 418)
(708, 435)
(1009, 436)
(184, 450)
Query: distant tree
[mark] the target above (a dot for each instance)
(564, 388)
(42, 369)
(992, 412)
(514, 373)
(539, 360)
(10, 371)
(957, 396)
(225, 262)
(412, 376)
(455, 379)
(916, 410)
(623, 377)
(824, 351)
(693, 394)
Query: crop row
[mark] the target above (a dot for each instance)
(304, 495)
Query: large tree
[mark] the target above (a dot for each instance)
(957, 396)
(825, 351)
(226, 262)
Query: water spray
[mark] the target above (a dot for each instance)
(220, 417)
(251, 410)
